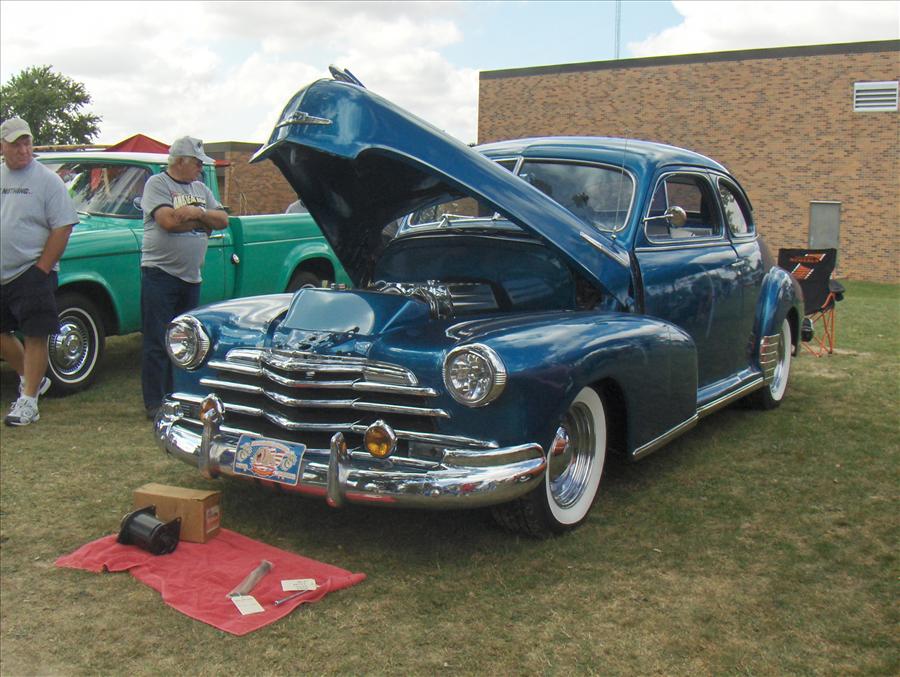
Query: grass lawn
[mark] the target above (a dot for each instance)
(760, 543)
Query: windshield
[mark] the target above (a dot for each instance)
(104, 189)
(600, 196)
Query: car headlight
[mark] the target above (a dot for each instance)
(474, 375)
(186, 342)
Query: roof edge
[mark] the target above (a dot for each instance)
(702, 57)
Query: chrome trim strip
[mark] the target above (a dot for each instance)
(297, 383)
(665, 438)
(624, 259)
(715, 405)
(231, 385)
(768, 356)
(694, 244)
(372, 387)
(235, 367)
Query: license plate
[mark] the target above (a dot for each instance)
(273, 460)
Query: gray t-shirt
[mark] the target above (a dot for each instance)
(178, 254)
(33, 202)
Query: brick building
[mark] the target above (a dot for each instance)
(249, 189)
(812, 133)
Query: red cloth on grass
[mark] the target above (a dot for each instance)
(196, 577)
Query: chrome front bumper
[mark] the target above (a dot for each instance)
(463, 478)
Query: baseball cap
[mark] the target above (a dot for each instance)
(13, 128)
(188, 146)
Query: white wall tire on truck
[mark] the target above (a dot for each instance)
(76, 349)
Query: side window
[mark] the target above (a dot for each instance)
(694, 195)
(737, 211)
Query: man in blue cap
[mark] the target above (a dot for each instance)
(180, 212)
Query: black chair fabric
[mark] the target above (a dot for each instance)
(813, 268)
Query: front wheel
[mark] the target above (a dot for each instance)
(572, 480)
(76, 349)
(771, 394)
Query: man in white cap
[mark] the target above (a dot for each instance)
(180, 212)
(36, 218)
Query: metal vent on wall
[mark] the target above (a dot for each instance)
(869, 97)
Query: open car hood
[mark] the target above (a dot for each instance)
(359, 162)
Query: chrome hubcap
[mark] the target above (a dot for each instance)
(570, 470)
(69, 348)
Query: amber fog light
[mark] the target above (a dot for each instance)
(380, 440)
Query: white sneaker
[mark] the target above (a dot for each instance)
(44, 387)
(23, 411)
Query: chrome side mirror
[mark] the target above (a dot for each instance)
(676, 216)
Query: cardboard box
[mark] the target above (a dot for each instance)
(198, 509)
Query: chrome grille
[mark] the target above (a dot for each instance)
(310, 397)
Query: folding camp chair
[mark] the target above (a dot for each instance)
(813, 269)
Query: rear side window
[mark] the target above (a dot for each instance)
(737, 211)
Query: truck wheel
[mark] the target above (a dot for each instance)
(76, 349)
(303, 279)
(572, 480)
(771, 394)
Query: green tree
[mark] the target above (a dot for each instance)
(51, 103)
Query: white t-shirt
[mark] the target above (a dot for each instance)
(33, 202)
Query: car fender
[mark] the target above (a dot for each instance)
(779, 298)
(125, 312)
(652, 363)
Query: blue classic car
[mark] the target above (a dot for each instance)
(520, 310)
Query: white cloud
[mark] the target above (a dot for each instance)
(723, 26)
(223, 71)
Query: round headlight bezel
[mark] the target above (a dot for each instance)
(485, 358)
(193, 328)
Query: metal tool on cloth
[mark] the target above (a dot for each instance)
(279, 602)
(252, 579)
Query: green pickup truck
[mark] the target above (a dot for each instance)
(100, 276)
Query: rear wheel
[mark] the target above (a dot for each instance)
(771, 395)
(303, 279)
(572, 481)
(76, 349)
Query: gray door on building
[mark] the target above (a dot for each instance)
(824, 225)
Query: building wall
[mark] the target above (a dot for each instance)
(250, 189)
(781, 120)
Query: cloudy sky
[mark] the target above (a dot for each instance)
(224, 70)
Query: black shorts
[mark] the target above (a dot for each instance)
(28, 304)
